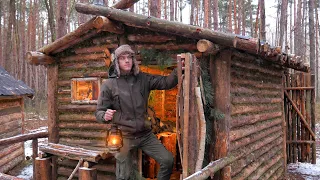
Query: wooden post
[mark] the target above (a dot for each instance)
(186, 89)
(39, 58)
(87, 173)
(34, 153)
(284, 127)
(220, 77)
(43, 169)
(313, 118)
(53, 134)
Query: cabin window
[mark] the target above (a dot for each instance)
(85, 90)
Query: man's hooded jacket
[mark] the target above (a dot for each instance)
(128, 95)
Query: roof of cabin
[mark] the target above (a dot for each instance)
(12, 87)
(88, 30)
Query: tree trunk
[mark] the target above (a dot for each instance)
(251, 19)
(283, 21)
(206, 14)
(263, 21)
(62, 26)
(235, 16)
(230, 16)
(298, 39)
(49, 7)
(1, 38)
(257, 21)
(215, 15)
(8, 49)
(311, 36)
(317, 56)
(171, 10)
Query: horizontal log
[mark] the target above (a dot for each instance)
(253, 108)
(12, 163)
(250, 168)
(84, 142)
(10, 117)
(38, 58)
(5, 150)
(251, 45)
(82, 29)
(85, 36)
(300, 142)
(77, 117)
(10, 126)
(66, 75)
(66, 83)
(64, 171)
(168, 46)
(208, 47)
(77, 108)
(15, 154)
(9, 103)
(82, 134)
(11, 133)
(84, 57)
(256, 84)
(111, 168)
(299, 88)
(105, 24)
(272, 170)
(70, 152)
(265, 166)
(150, 38)
(8, 177)
(64, 99)
(82, 126)
(250, 129)
(254, 137)
(255, 76)
(24, 137)
(124, 4)
(110, 41)
(254, 100)
(253, 118)
(278, 174)
(87, 64)
(237, 89)
(10, 110)
(93, 49)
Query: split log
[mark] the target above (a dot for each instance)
(82, 126)
(84, 57)
(77, 117)
(202, 128)
(83, 134)
(38, 58)
(206, 46)
(43, 168)
(254, 137)
(82, 29)
(150, 38)
(124, 4)
(168, 46)
(105, 24)
(66, 171)
(87, 173)
(250, 129)
(24, 137)
(76, 41)
(8, 177)
(254, 118)
(77, 108)
(254, 108)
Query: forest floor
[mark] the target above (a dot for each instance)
(295, 171)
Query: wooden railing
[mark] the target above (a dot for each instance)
(25, 137)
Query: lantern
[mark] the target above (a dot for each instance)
(114, 139)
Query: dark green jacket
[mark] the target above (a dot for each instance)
(128, 95)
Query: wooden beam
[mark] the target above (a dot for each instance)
(38, 58)
(300, 115)
(150, 38)
(299, 88)
(124, 4)
(220, 76)
(23, 137)
(43, 169)
(202, 128)
(206, 46)
(105, 24)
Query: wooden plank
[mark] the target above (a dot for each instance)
(313, 118)
(299, 88)
(23, 137)
(220, 76)
(186, 88)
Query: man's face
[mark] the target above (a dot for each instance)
(125, 62)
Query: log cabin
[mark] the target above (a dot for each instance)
(12, 94)
(226, 116)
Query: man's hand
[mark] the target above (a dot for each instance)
(109, 114)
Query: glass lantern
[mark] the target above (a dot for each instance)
(114, 139)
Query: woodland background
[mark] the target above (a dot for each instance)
(27, 25)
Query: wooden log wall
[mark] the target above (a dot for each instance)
(76, 122)
(299, 115)
(11, 122)
(256, 118)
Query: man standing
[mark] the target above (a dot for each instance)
(124, 100)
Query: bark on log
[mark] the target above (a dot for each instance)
(66, 83)
(248, 74)
(43, 168)
(124, 4)
(105, 24)
(150, 38)
(10, 126)
(235, 89)
(10, 110)
(9, 103)
(160, 25)
(11, 133)
(10, 117)
(71, 152)
(254, 118)
(84, 142)
(82, 29)
(202, 128)
(254, 108)
(82, 126)
(206, 46)
(12, 163)
(77, 117)
(250, 129)
(87, 173)
(300, 142)
(168, 47)
(94, 49)
(110, 41)
(87, 64)
(38, 58)
(15, 154)
(65, 75)
(5, 150)
(272, 170)
(254, 100)
(263, 168)
(82, 57)
(254, 137)
(82, 134)
(255, 84)
(24, 137)
(77, 108)
(8, 177)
